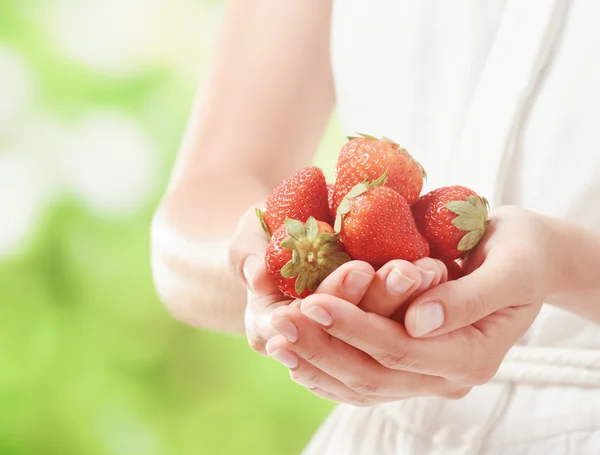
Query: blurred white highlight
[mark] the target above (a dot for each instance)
(17, 88)
(110, 164)
(121, 37)
(23, 194)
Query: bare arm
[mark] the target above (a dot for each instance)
(577, 280)
(258, 117)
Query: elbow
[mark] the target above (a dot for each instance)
(194, 282)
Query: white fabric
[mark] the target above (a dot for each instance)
(502, 96)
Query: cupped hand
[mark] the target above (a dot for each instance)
(246, 254)
(390, 288)
(330, 367)
(454, 336)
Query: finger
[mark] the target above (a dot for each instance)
(335, 398)
(433, 273)
(355, 369)
(247, 248)
(497, 283)
(385, 340)
(309, 376)
(350, 281)
(263, 298)
(468, 356)
(392, 285)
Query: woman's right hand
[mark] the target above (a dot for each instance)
(384, 292)
(246, 255)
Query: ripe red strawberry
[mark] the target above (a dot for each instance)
(453, 219)
(455, 271)
(330, 189)
(365, 158)
(302, 195)
(376, 225)
(300, 256)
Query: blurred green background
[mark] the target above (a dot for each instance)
(94, 96)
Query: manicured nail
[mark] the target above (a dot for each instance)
(285, 357)
(319, 315)
(287, 328)
(356, 282)
(430, 316)
(250, 265)
(397, 283)
(427, 279)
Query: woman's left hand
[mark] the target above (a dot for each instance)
(454, 335)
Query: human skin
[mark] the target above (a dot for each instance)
(454, 336)
(258, 117)
(240, 143)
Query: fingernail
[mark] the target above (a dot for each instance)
(287, 358)
(427, 279)
(287, 328)
(250, 265)
(397, 283)
(319, 315)
(356, 282)
(430, 316)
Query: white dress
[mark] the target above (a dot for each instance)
(502, 96)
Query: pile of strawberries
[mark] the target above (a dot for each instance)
(374, 212)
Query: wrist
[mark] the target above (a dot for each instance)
(572, 258)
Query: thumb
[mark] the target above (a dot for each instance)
(247, 251)
(496, 284)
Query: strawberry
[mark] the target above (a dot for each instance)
(366, 158)
(453, 219)
(330, 189)
(302, 195)
(455, 271)
(376, 225)
(300, 256)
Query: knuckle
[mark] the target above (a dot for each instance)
(361, 401)
(395, 359)
(257, 344)
(363, 388)
(481, 375)
(473, 302)
(456, 393)
(306, 379)
(313, 357)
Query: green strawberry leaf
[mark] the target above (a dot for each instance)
(261, 218)
(470, 240)
(301, 281)
(295, 228)
(313, 280)
(296, 258)
(289, 270)
(463, 208)
(312, 228)
(381, 180)
(468, 223)
(356, 190)
(368, 136)
(288, 243)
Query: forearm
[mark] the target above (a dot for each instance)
(258, 117)
(577, 280)
(191, 231)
